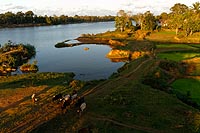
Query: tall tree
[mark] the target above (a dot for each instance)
(177, 16)
(192, 19)
(2, 19)
(10, 17)
(123, 21)
(163, 19)
(146, 21)
(20, 17)
(196, 7)
(29, 16)
(149, 21)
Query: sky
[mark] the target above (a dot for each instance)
(89, 7)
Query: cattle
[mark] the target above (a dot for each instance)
(74, 95)
(56, 97)
(81, 108)
(65, 104)
(66, 97)
(81, 105)
(33, 98)
(80, 101)
(66, 101)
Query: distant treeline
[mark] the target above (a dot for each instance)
(28, 18)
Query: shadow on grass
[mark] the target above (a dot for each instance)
(50, 79)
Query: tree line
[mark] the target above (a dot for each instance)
(20, 18)
(180, 18)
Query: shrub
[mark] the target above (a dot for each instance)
(173, 67)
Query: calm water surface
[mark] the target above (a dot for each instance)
(87, 65)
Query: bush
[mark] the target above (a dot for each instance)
(173, 67)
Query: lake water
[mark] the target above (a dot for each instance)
(87, 65)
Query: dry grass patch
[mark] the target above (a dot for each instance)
(9, 96)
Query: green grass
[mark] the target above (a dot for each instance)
(195, 45)
(185, 46)
(125, 99)
(184, 86)
(196, 72)
(177, 56)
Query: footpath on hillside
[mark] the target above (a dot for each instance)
(49, 110)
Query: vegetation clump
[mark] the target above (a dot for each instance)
(29, 67)
(13, 55)
(25, 19)
(164, 74)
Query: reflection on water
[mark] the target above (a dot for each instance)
(87, 65)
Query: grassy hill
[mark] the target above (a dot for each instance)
(124, 104)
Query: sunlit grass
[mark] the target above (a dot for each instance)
(166, 32)
(177, 56)
(185, 46)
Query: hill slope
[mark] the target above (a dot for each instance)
(124, 104)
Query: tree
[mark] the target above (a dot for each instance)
(48, 20)
(2, 19)
(149, 21)
(179, 8)
(177, 16)
(192, 22)
(123, 21)
(20, 18)
(138, 19)
(146, 21)
(163, 19)
(10, 18)
(29, 16)
(196, 7)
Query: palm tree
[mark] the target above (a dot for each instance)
(196, 7)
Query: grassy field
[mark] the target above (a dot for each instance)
(122, 103)
(188, 53)
(174, 46)
(170, 36)
(177, 56)
(191, 86)
(15, 97)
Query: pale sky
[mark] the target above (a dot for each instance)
(89, 7)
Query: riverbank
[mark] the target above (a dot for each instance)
(22, 25)
(41, 24)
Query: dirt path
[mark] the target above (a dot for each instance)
(107, 81)
(137, 68)
(132, 126)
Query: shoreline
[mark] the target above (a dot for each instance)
(90, 40)
(41, 24)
